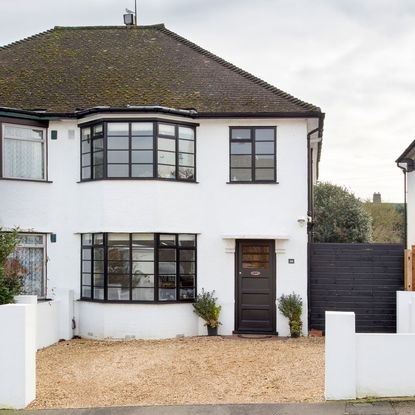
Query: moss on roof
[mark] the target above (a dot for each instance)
(69, 68)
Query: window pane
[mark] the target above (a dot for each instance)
(264, 161)
(187, 255)
(167, 294)
(97, 129)
(117, 128)
(241, 161)
(167, 255)
(143, 268)
(86, 266)
(98, 254)
(167, 281)
(87, 254)
(186, 146)
(264, 148)
(166, 172)
(26, 239)
(187, 240)
(142, 280)
(187, 133)
(98, 238)
(98, 293)
(86, 146)
(97, 144)
(118, 267)
(241, 148)
(115, 280)
(117, 156)
(86, 279)
(264, 134)
(142, 156)
(143, 294)
(241, 175)
(186, 160)
(143, 254)
(142, 128)
(167, 129)
(23, 159)
(86, 133)
(86, 172)
(86, 292)
(22, 133)
(187, 281)
(117, 143)
(167, 158)
(187, 268)
(98, 157)
(86, 159)
(187, 293)
(264, 174)
(98, 280)
(167, 267)
(142, 143)
(186, 173)
(167, 240)
(241, 133)
(143, 239)
(119, 254)
(99, 266)
(142, 170)
(119, 294)
(98, 171)
(118, 239)
(87, 239)
(118, 170)
(166, 144)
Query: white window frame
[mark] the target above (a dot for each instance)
(44, 260)
(44, 141)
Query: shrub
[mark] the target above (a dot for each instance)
(206, 308)
(11, 271)
(291, 307)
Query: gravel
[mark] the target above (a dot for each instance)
(198, 370)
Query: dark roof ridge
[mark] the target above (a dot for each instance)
(37, 35)
(238, 70)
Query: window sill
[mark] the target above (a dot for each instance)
(86, 300)
(260, 182)
(137, 179)
(15, 179)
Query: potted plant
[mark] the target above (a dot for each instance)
(206, 308)
(291, 306)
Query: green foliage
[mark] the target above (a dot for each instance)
(11, 270)
(291, 307)
(339, 216)
(206, 308)
(388, 221)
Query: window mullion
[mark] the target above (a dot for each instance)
(155, 149)
(253, 149)
(176, 132)
(156, 267)
(131, 267)
(105, 243)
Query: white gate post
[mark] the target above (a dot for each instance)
(340, 372)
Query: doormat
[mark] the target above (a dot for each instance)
(255, 336)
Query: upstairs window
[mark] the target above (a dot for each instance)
(252, 154)
(24, 152)
(138, 150)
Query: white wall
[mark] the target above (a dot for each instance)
(360, 365)
(405, 312)
(17, 355)
(47, 323)
(212, 208)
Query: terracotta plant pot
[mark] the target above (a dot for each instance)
(212, 331)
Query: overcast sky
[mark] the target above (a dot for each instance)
(353, 58)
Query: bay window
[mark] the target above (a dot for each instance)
(138, 150)
(138, 267)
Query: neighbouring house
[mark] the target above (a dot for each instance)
(142, 168)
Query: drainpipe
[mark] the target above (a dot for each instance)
(310, 208)
(404, 171)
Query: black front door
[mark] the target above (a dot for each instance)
(255, 286)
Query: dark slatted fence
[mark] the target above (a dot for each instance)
(362, 278)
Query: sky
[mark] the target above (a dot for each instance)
(355, 59)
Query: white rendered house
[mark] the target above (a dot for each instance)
(141, 169)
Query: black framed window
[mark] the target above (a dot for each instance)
(253, 154)
(138, 267)
(138, 150)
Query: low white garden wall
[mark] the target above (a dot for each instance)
(360, 365)
(17, 355)
(405, 312)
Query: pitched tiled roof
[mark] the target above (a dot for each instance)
(69, 68)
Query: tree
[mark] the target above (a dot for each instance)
(339, 216)
(388, 222)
